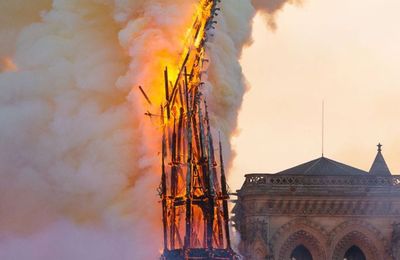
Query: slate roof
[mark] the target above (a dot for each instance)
(322, 166)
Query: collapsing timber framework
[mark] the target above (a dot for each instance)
(193, 186)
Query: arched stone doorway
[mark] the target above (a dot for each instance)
(301, 253)
(297, 242)
(354, 253)
(355, 244)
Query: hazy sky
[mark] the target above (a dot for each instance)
(345, 52)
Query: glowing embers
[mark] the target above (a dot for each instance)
(176, 216)
(7, 65)
(194, 193)
(195, 34)
(219, 232)
(198, 229)
(193, 186)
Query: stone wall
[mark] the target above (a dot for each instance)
(327, 219)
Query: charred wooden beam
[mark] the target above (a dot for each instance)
(225, 195)
(167, 92)
(145, 95)
(164, 185)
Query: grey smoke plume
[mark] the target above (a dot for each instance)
(269, 8)
(78, 160)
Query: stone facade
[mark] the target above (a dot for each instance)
(327, 214)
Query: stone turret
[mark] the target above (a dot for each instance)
(379, 167)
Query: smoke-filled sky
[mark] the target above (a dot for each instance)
(345, 52)
(79, 161)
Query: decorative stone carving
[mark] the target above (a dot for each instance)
(325, 213)
(350, 180)
(304, 238)
(238, 217)
(257, 239)
(259, 249)
(327, 208)
(298, 223)
(303, 232)
(396, 241)
(351, 225)
(257, 229)
(359, 239)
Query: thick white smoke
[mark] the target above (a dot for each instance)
(269, 8)
(79, 163)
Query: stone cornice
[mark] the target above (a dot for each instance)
(319, 207)
(351, 185)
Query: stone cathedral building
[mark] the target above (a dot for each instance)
(320, 210)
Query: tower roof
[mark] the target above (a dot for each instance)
(322, 166)
(379, 166)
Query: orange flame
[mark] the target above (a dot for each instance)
(189, 40)
(7, 65)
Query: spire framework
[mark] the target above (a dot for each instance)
(193, 187)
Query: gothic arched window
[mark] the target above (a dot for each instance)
(301, 253)
(354, 253)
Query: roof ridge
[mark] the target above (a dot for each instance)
(344, 166)
(323, 166)
(340, 165)
(314, 164)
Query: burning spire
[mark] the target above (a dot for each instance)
(72, 118)
(193, 190)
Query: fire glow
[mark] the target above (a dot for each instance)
(8, 65)
(189, 42)
(193, 191)
(80, 156)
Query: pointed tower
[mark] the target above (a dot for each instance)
(379, 167)
(193, 186)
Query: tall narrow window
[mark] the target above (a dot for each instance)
(354, 253)
(301, 253)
